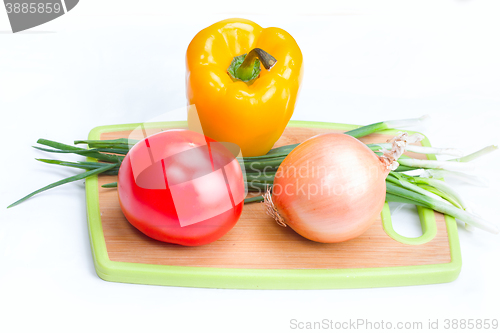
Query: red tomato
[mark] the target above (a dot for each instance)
(181, 187)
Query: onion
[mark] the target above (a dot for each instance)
(331, 188)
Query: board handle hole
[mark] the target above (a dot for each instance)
(405, 220)
(403, 225)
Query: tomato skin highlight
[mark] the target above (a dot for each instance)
(190, 194)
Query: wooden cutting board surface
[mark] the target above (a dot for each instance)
(258, 242)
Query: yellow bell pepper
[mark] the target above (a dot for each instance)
(238, 101)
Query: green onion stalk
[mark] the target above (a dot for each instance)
(426, 190)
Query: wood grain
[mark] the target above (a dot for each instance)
(258, 242)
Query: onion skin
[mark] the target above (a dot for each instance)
(331, 188)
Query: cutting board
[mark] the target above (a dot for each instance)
(258, 253)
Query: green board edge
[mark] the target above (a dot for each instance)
(232, 278)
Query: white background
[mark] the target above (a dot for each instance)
(109, 62)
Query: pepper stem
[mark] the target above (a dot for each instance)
(246, 67)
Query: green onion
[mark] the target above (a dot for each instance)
(82, 165)
(466, 178)
(477, 154)
(65, 181)
(452, 195)
(63, 148)
(258, 198)
(116, 143)
(419, 149)
(399, 180)
(432, 164)
(377, 127)
(399, 194)
(457, 164)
